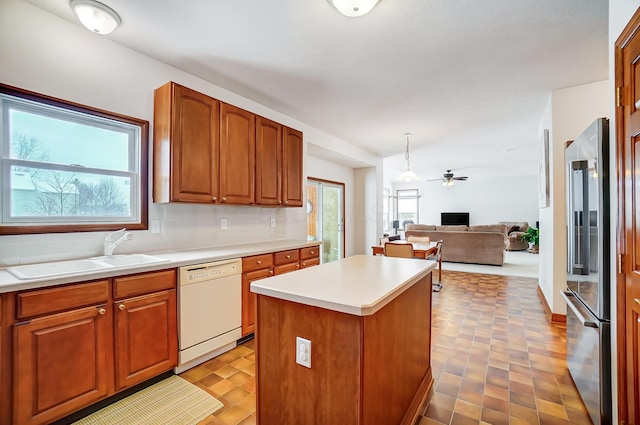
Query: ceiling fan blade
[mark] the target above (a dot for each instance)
(460, 178)
(436, 180)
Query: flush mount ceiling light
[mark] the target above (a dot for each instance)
(408, 175)
(354, 8)
(95, 16)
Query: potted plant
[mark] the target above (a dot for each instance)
(532, 235)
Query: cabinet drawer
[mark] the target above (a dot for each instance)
(286, 268)
(310, 262)
(143, 283)
(285, 257)
(310, 252)
(257, 262)
(51, 300)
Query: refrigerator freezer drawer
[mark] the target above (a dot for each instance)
(589, 359)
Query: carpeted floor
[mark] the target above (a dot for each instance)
(517, 263)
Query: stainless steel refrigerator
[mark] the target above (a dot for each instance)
(588, 269)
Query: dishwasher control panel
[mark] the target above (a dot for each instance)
(209, 271)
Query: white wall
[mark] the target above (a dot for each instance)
(569, 112)
(322, 169)
(488, 200)
(46, 54)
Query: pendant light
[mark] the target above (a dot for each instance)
(354, 8)
(408, 175)
(95, 16)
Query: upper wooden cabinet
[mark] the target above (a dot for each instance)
(268, 162)
(207, 151)
(237, 155)
(186, 139)
(292, 168)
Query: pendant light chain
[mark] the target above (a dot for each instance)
(406, 155)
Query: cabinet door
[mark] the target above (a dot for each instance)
(249, 299)
(309, 263)
(62, 363)
(194, 146)
(146, 337)
(292, 168)
(237, 155)
(268, 162)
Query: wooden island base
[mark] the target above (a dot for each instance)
(365, 370)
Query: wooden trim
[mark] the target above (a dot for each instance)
(552, 317)
(144, 167)
(344, 224)
(625, 389)
(413, 412)
(6, 356)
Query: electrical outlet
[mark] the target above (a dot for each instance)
(303, 352)
(223, 224)
(273, 222)
(155, 226)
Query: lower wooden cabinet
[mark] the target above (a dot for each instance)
(266, 265)
(145, 343)
(62, 363)
(73, 345)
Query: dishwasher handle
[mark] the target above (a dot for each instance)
(571, 304)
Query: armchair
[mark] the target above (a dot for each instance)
(515, 231)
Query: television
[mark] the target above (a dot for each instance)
(454, 218)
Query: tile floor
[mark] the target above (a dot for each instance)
(495, 357)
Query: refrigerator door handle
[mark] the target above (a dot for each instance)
(586, 323)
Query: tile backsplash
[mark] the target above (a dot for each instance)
(182, 226)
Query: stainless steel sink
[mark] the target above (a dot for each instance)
(71, 267)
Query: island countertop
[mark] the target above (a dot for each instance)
(359, 285)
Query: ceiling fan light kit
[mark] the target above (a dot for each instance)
(353, 8)
(448, 178)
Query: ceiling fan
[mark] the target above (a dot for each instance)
(448, 178)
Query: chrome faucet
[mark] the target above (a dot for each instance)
(110, 245)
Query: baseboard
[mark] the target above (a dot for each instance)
(560, 319)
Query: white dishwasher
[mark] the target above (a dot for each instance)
(209, 311)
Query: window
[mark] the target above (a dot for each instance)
(66, 167)
(407, 206)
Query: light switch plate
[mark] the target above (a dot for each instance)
(303, 352)
(223, 224)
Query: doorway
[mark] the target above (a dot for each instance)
(325, 217)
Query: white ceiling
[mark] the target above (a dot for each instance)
(468, 78)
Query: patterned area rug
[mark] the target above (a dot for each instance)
(170, 401)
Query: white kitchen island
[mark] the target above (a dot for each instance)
(369, 322)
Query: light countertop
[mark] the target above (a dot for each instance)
(9, 283)
(359, 285)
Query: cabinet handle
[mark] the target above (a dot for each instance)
(637, 301)
(304, 264)
(286, 202)
(271, 272)
(214, 198)
(224, 199)
(297, 265)
(312, 252)
(259, 262)
(102, 311)
(121, 307)
(288, 257)
(279, 202)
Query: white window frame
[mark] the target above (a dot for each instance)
(137, 132)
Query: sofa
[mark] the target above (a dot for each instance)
(515, 231)
(481, 244)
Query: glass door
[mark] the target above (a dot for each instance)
(325, 217)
